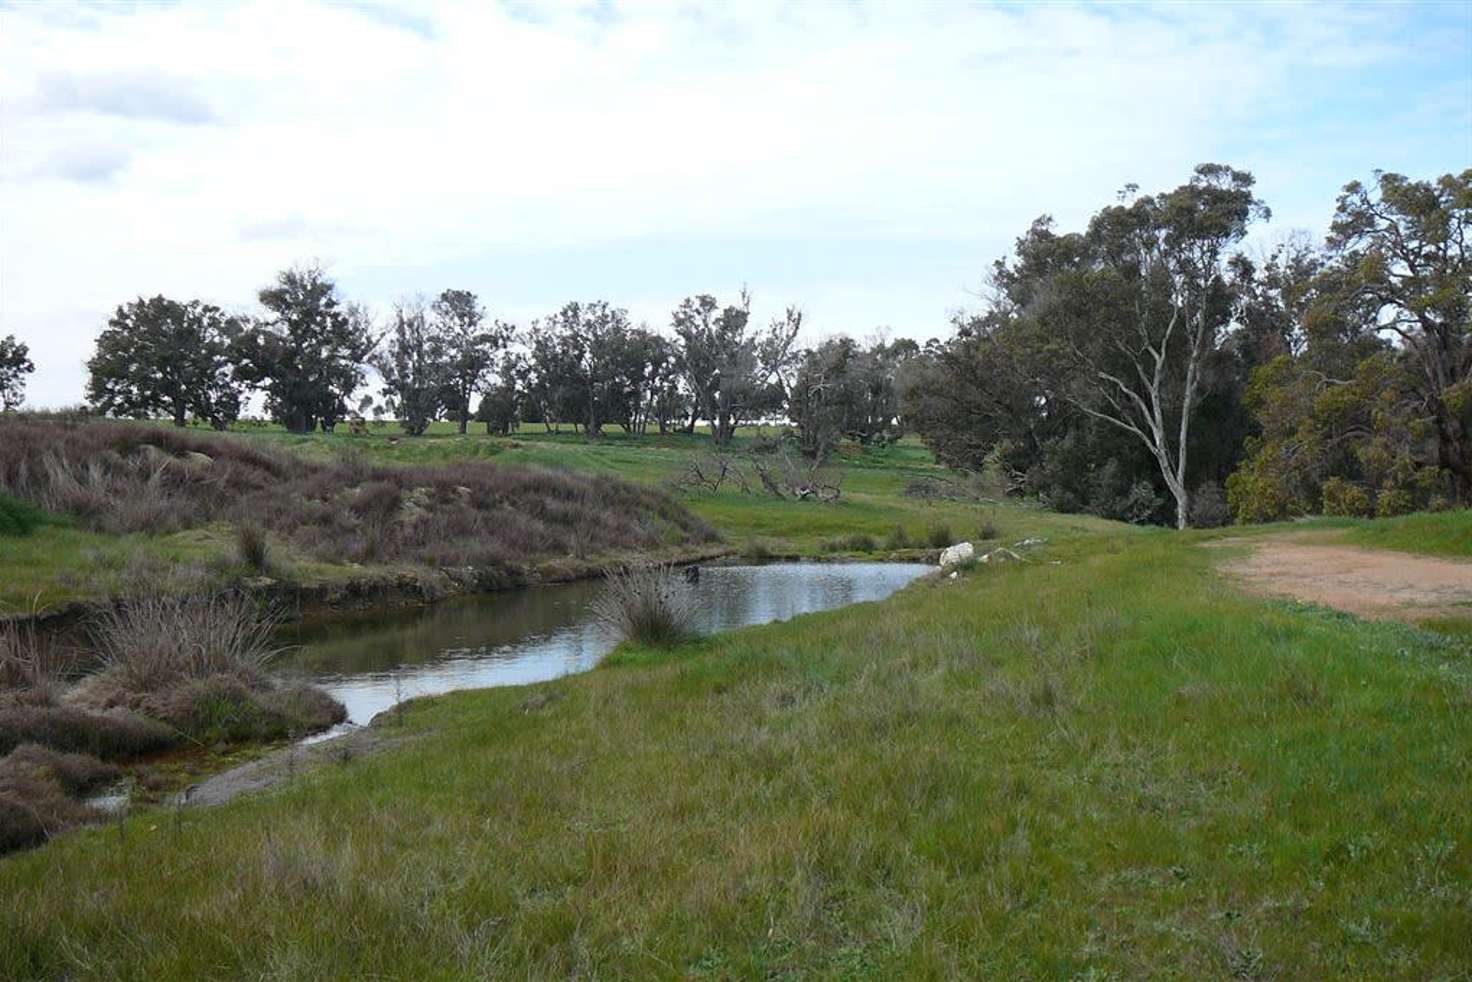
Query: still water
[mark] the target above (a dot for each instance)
(534, 635)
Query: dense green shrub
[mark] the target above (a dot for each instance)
(1391, 502)
(19, 517)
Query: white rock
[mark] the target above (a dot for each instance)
(961, 552)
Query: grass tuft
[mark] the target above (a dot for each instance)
(649, 605)
(252, 547)
(155, 642)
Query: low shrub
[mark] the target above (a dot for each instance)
(122, 477)
(33, 811)
(1392, 502)
(223, 709)
(19, 517)
(987, 531)
(304, 708)
(112, 735)
(252, 547)
(860, 543)
(756, 549)
(38, 789)
(650, 605)
(1344, 499)
(898, 538)
(75, 773)
(1208, 507)
(939, 535)
(152, 643)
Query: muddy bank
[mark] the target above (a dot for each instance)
(282, 766)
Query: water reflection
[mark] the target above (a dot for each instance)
(540, 634)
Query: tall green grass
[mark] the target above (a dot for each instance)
(1447, 533)
(1109, 768)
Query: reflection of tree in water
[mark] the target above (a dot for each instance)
(419, 635)
(547, 632)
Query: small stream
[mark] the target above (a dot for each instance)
(371, 663)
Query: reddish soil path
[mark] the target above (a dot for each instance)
(1372, 583)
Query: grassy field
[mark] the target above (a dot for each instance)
(1111, 767)
(1102, 763)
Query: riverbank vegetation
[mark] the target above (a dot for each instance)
(1093, 769)
(198, 511)
(153, 675)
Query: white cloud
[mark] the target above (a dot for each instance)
(194, 149)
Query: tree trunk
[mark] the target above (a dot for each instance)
(464, 423)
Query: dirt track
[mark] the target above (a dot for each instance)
(282, 765)
(1372, 583)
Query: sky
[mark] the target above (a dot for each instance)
(864, 161)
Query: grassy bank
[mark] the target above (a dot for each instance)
(1112, 767)
(115, 507)
(339, 509)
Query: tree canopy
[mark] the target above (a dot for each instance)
(162, 356)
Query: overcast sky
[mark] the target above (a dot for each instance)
(865, 161)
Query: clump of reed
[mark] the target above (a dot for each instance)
(252, 546)
(648, 604)
(155, 642)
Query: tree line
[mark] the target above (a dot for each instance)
(309, 351)
(1149, 367)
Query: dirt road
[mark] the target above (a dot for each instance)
(1372, 583)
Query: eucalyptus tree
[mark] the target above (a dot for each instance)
(471, 348)
(734, 371)
(1130, 311)
(170, 357)
(503, 401)
(576, 356)
(1401, 251)
(668, 399)
(416, 366)
(309, 353)
(15, 365)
